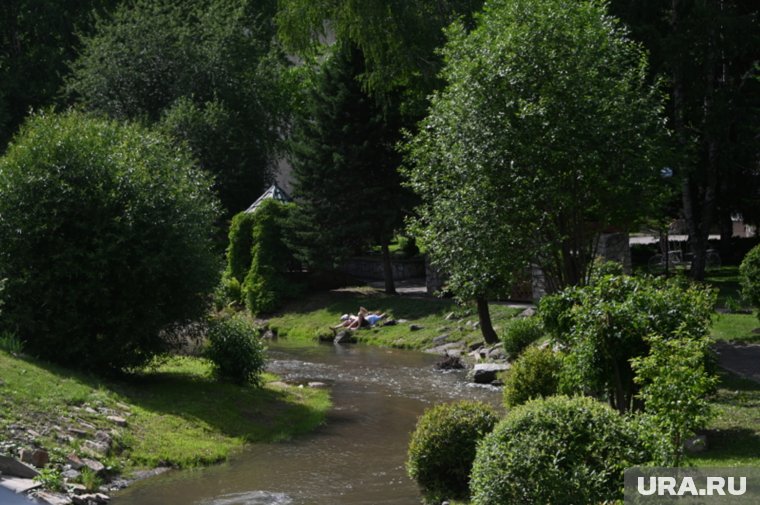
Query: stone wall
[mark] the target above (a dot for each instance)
(370, 267)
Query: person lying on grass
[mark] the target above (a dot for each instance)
(363, 318)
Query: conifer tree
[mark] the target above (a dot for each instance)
(345, 164)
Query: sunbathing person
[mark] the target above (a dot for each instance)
(364, 318)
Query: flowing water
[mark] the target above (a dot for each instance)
(357, 457)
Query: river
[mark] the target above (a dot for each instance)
(356, 458)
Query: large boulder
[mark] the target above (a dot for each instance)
(485, 373)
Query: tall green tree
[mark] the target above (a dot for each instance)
(36, 41)
(710, 51)
(398, 38)
(206, 71)
(345, 165)
(546, 134)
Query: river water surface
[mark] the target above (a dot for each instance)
(357, 457)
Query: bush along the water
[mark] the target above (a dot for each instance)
(519, 333)
(558, 450)
(235, 349)
(604, 325)
(267, 283)
(749, 275)
(675, 384)
(535, 374)
(442, 448)
(105, 239)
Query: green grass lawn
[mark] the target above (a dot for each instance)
(734, 435)
(177, 413)
(733, 327)
(306, 319)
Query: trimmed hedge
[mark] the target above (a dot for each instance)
(535, 374)
(236, 350)
(559, 450)
(749, 274)
(442, 448)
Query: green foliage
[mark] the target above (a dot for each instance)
(105, 239)
(749, 275)
(558, 450)
(267, 283)
(408, 246)
(674, 387)
(206, 72)
(535, 374)
(239, 247)
(442, 448)
(90, 480)
(398, 37)
(345, 167)
(606, 324)
(10, 343)
(236, 350)
(505, 175)
(51, 479)
(519, 333)
(36, 42)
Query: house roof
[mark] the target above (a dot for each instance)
(275, 192)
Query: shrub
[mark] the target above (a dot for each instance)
(535, 374)
(605, 325)
(235, 350)
(519, 333)
(749, 274)
(675, 384)
(105, 239)
(267, 284)
(240, 245)
(557, 450)
(442, 448)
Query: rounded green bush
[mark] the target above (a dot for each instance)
(535, 374)
(236, 350)
(558, 450)
(749, 274)
(519, 333)
(105, 240)
(442, 448)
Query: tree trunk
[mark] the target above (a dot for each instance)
(390, 286)
(484, 318)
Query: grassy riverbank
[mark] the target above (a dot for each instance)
(176, 413)
(306, 319)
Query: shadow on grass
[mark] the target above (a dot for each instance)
(348, 302)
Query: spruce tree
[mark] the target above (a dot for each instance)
(347, 186)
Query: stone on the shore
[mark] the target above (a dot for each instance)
(95, 449)
(317, 385)
(485, 373)
(94, 465)
(345, 337)
(54, 498)
(450, 316)
(71, 474)
(118, 421)
(441, 339)
(74, 461)
(15, 468)
(18, 484)
(77, 489)
(529, 312)
(35, 457)
(415, 327)
(442, 349)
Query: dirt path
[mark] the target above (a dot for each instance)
(741, 359)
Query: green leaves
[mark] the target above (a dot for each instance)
(545, 134)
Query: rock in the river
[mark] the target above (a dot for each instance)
(345, 337)
(485, 373)
(317, 385)
(53, 498)
(450, 363)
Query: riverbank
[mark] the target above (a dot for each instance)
(173, 414)
(420, 322)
